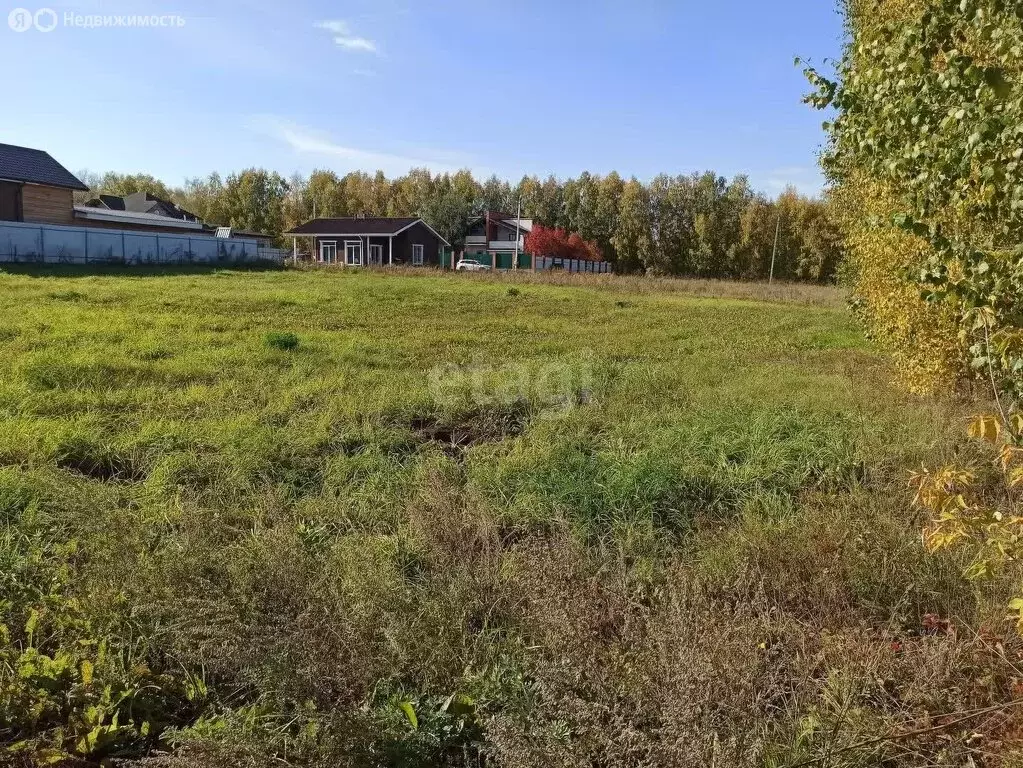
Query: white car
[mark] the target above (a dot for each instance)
(471, 265)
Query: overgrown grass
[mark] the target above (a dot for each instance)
(604, 522)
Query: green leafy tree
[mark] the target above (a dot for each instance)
(673, 209)
(581, 206)
(707, 256)
(757, 224)
(411, 194)
(929, 102)
(358, 193)
(255, 201)
(207, 199)
(528, 192)
(295, 206)
(380, 194)
(497, 195)
(447, 211)
(633, 239)
(609, 197)
(325, 195)
(127, 184)
(549, 205)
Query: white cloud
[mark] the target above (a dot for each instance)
(356, 44)
(315, 143)
(345, 38)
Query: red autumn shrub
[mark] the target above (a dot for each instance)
(546, 241)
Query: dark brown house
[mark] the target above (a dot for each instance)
(35, 188)
(364, 241)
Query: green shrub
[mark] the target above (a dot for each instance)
(283, 341)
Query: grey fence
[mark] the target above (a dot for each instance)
(51, 244)
(572, 265)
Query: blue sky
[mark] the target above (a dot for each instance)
(642, 87)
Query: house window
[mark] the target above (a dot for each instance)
(417, 255)
(328, 251)
(353, 254)
(376, 254)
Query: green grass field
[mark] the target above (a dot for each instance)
(464, 520)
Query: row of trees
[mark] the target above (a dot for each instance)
(699, 225)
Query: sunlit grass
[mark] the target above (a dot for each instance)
(261, 473)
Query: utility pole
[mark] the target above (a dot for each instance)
(518, 222)
(777, 231)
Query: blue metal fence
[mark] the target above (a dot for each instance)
(52, 244)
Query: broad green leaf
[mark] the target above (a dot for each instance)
(410, 713)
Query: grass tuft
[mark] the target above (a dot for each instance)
(282, 341)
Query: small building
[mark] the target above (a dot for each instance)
(366, 241)
(36, 188)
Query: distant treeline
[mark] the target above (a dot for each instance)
(693, 225)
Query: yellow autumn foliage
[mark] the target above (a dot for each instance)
(929, 136)
(890, 10)
(928, 341)
(922, 338)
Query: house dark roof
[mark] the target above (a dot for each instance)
(134, 219)
(361, 227)
(354, 226)
(113, 202)
(35, 167)
(142, 202)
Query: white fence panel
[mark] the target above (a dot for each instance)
(105, 246)
(64, 245)
(141, 249)
(53, 244)
(21, 244)
(204, 249)
(174, 249)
